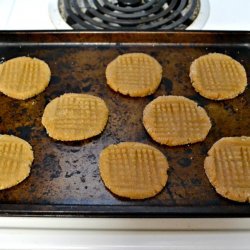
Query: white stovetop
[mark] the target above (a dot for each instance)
(112, 234)
(34, 15)
(174, 234)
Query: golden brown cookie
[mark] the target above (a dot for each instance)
(24, 77)
(175, 120)
(228, 167)
(218, 76)
(16, 157)
(134, 74)
(133, 170)
(73, 117)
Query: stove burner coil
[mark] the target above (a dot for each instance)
(129, 14)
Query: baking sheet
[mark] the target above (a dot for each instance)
(64, 179)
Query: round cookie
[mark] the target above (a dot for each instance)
(227, 167)
(175, 120)
(218, 76)
(24, 77)
(73, 117)
(16, 157)
(133, 170)
(134, 74)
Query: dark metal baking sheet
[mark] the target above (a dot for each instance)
(65, 180)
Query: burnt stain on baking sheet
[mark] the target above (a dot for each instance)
(202, 101)
(55, 80)
(196, 181)
(51, 163)
(185, 162)
(86, 88)
(70, 174)
(188, 150)
(24, 132)
(168, 85)
(67, 173)
(54, 94)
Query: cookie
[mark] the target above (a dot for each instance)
(73, 117)
(16, 157)
(227, 167)
(218, 76)
(24, 77)
(133, 170)
(134, 74)
(175, 120)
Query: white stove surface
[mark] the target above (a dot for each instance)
(93, 233)
(36, 15)
(97, 234)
